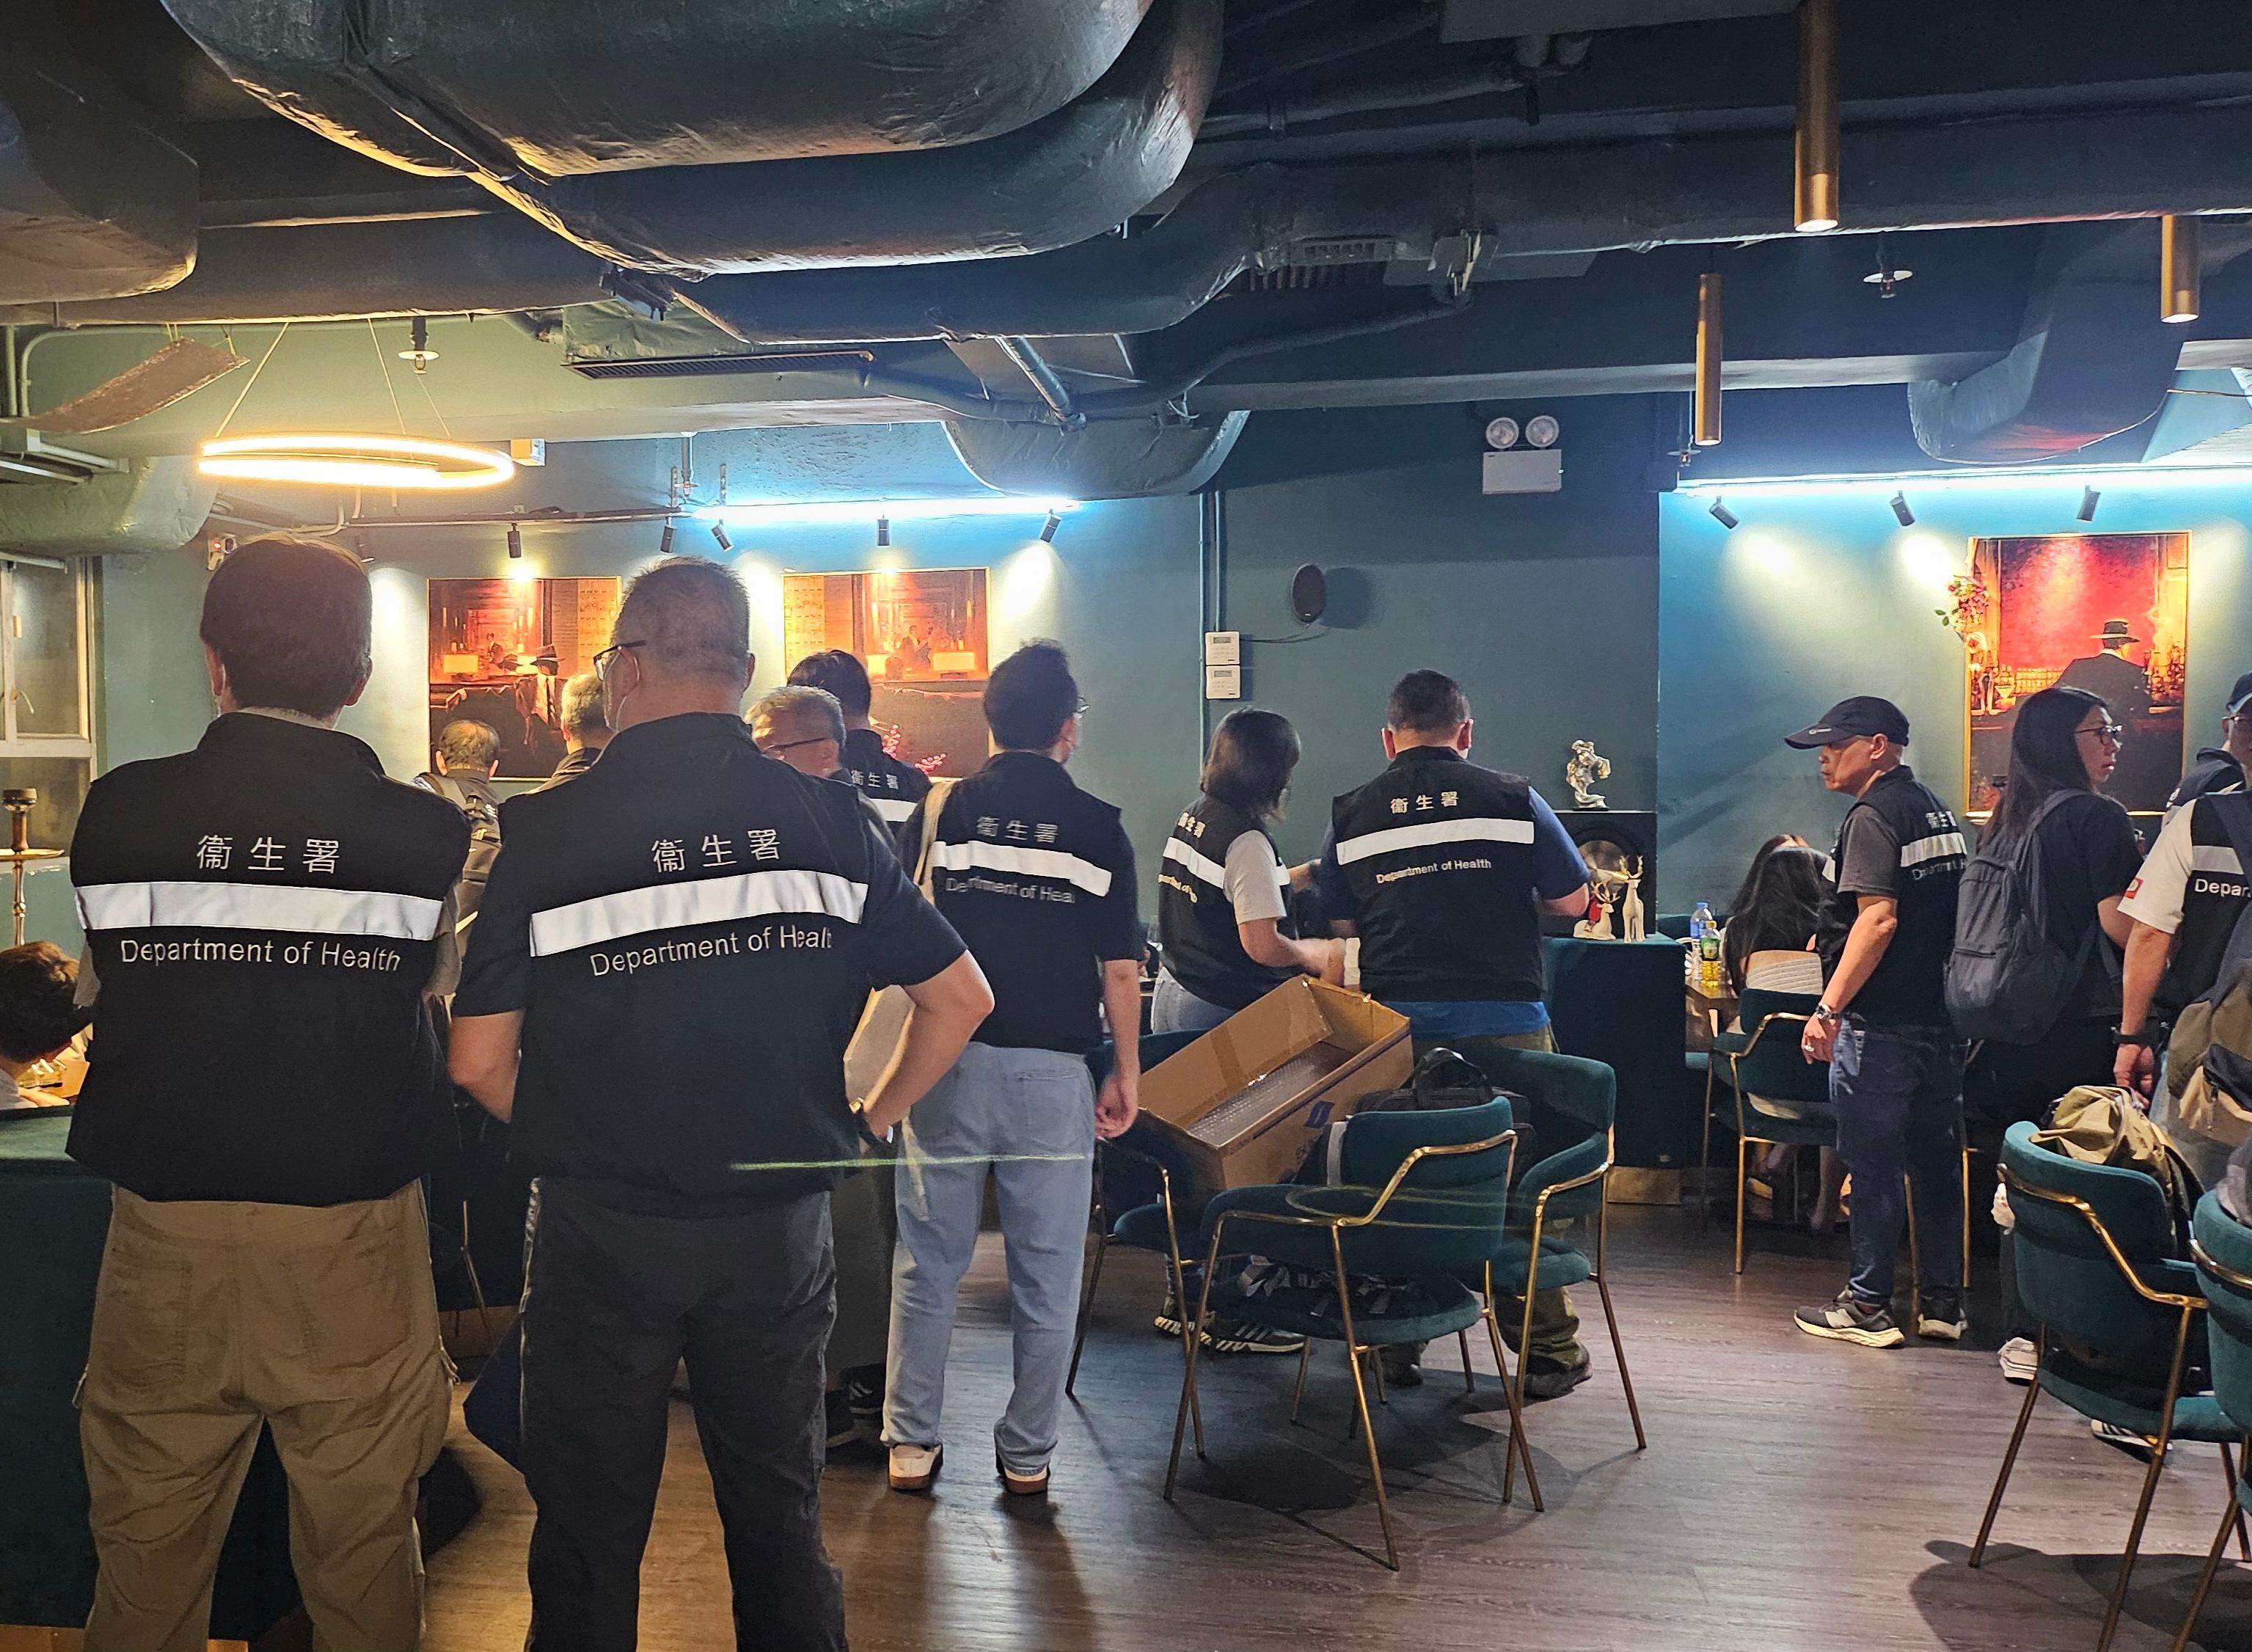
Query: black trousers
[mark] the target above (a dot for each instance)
(613, 1301)
(2009, 1083)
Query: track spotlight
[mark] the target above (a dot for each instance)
(1048, 528)
(2088, 497)
(515, 543)
(883, 530)
(720, 533)
(2178, 256)
(665, 541)
(1900, 509)
(1722, 515)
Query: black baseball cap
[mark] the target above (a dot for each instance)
(1861, 714)
(2238, 695)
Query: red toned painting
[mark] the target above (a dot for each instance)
(501, 651)
(2104, 612)
(922, 633)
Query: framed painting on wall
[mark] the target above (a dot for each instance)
(502, 649)
(922, 633)
(2104, 612)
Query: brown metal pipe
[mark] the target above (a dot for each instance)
(1706, 427)
(1814, 202)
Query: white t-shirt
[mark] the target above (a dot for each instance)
(1254, 879)
(2160, 891)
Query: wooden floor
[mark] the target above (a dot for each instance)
(1796, 1493)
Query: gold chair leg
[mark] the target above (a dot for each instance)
(1086, 1312)
(1705, 1159)
(1189, 1372)
(1469, 1376)
(2233, 1516)
(1297, 1393)
(1966, 1204)
(2009, 1461)
(1742, 1147)
(1360, 1400)
(1618, 1351)
(1519, 1446)
(1376, 1368)
(2150, 1484)
(2228, 1471)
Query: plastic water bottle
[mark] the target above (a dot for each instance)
(1701, 921)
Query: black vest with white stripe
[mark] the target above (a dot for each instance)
(2211, 902)
(1439, 853)
(1195, 923)
(892, 787)
(262, 914)
(697, 970)
(1023, 865)
(1908, 985)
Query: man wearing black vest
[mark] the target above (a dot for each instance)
(892, 787)
(1895, 1067)
(1443, 870)
(674, 951)
(264, 915)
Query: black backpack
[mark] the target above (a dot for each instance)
(484, 846)
(2007, 979)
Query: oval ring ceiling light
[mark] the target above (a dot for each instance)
(402, 463)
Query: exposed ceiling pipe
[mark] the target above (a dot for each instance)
(1043, 378)
(1900, 179)
(2093, 357)
(1416, 91)
(1301, 55)
(555, 88)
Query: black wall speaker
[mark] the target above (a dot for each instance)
(1309, 594)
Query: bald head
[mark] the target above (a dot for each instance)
(684, 635)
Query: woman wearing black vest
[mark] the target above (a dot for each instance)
(2064, 745)
(1222, 893)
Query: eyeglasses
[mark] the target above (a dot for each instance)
(2110, 733)
(787, 746)
(603, 659)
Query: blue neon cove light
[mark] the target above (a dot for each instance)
(2123, 476)
(775, 512)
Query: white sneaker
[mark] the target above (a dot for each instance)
(2125, 1439)
(914, 1468)
(2021, 1360)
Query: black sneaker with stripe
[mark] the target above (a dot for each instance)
(1850, 1320)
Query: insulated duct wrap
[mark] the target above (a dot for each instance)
(2092, 358)
(562, 87)
(1076, 173)
(150, 504)
(1117, 458)
(92, 202)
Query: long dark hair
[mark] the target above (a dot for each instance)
(2044, 757)
(1760, 857)
(1780, 912)
(1252, 757)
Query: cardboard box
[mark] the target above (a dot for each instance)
(1247, 1100)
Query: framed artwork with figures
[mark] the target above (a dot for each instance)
(501, 651)
(2104, 612)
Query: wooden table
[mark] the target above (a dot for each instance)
(1709, 1017)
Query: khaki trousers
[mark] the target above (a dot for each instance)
(212, 1318)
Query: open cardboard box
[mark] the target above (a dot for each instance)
(1247, 1100)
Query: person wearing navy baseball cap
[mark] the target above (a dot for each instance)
(2221, 768)
(1882, 1027)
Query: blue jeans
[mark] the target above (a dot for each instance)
(1898, 1092)
(1028, 1116)
(1173, 1008)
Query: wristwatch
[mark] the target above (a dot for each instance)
(2141, 1035)
(867, 1134)
(1823, 1012)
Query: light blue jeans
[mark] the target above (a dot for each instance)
(1028, 1116)
(1173, 1008)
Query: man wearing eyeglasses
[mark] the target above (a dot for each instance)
(1895, 1067)
(805, 728)
(2221, 768)
(673, 952)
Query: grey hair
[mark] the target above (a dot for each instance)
(689, 618)
(808, 713)
(582, 712)
(465, 743)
